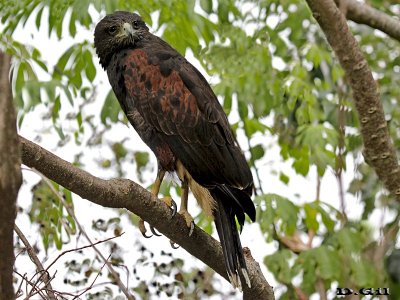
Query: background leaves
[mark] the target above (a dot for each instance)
(275, 76)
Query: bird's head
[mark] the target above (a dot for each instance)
(117, 31)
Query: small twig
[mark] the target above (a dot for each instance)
(127, 272)
(252, 161)
(311, 235)
(97, 276)
(38, 291)
(19, 290)
(341, 148)
(96, 285)
(23, 278)
(320, 287)
(300, 294)
(36, 261)
(318, 192)
(80, 248)
(294, 243)
(388, 238)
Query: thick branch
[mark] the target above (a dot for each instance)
(10, 179)
(379, 151)
(123, 193)
(364, 14)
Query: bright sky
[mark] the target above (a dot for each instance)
(300, 190)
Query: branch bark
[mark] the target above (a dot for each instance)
(123, 193)
(379, 151)
(364, 14)
(10, 179)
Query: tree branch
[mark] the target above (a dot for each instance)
(378, 148)
(364, 14)
(10, 179)
(123, 193)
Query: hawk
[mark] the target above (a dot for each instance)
(176, 113)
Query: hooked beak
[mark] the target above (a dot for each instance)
(128, 30)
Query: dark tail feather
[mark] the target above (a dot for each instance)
(225, 221)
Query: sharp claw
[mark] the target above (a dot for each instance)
(174, 208)
(152, 229)
(146, 236)
(191, 228)
(143, 230)
(173, 245)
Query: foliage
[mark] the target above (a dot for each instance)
(267, 58)
(49, 213)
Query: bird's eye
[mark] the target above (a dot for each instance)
(135, 24)
(112, 29)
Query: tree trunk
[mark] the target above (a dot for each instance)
(10, 179)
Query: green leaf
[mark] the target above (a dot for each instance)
(302, 165)
(142, 159)
(62, 62)
(39, 17)
(111, 109)
(90, 69)
(36, 58)
(50, 89)
(328, 263)
(33, 92)
(206, 5)
(314, 55)
(56, 109)
(243, 109)
(307, 262)
(227, 101)
(79, 121)
(76, 79)
(284, 178)
(68, 94)
(326, 219)
(285, 211)
(311, 221)
(362, 273)
(72, 26)
(266, 216)
(278, 264)
(60, 132)
(19, 84)
(48, 211)
(349, 240)
(257, 152)
(119, 151)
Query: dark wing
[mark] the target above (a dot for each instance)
(173, 97)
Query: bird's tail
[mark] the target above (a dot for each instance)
(229, 207)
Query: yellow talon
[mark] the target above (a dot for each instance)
(170, 203)
(143, 229)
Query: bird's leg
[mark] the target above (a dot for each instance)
(184, 206)
(183, 210)
(167, 200)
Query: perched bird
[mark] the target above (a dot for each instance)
(176, 113)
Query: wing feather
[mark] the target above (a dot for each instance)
(174, 98)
